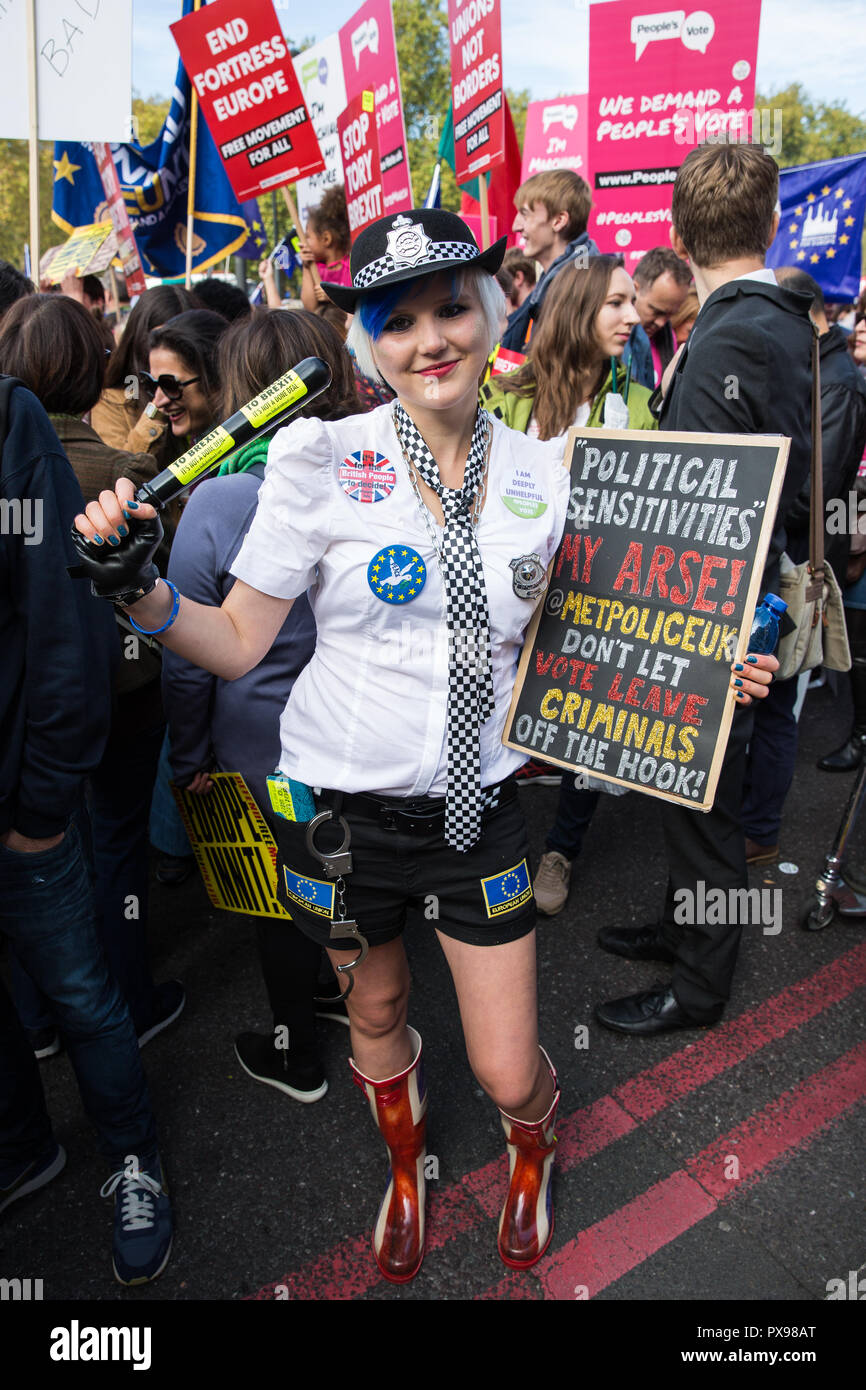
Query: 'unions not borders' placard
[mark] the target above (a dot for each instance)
(626, 667)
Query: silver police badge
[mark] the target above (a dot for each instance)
(407, 242)
(530, 576)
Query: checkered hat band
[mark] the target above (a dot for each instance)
(440, 251)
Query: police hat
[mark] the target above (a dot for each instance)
(401, 247)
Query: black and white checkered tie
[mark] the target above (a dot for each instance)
(470, 683)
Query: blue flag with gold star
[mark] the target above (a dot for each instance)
(821, 225)
(154, 180)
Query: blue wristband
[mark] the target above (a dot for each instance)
(171, 617)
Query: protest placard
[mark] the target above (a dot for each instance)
(359, 145)
(555, 136)
(233, 846)
(83, 69)
(660, 82)
(320, 73)
(80, 254)
(239, 64)
(369, 52)
(475, 36)
(126, 247)
(626, 667)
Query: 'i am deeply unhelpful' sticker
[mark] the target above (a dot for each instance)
(367, 476)
(523, 494)
(397, 574)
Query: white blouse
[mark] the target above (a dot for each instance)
(338, 516)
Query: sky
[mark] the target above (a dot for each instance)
(820, 43)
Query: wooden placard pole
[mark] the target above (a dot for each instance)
(193, 151)
(293, 213)
(485, 212)
(33, 114)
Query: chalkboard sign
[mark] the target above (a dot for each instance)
(625, 673)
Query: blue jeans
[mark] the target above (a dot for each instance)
(46, 911)
(575, 811)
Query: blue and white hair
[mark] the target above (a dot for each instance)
(375, 309)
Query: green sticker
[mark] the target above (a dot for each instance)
(523, 494)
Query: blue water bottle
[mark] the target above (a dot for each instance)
(764, 636)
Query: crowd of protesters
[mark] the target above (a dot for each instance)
(98, 719)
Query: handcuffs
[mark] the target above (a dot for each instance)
(335, 864)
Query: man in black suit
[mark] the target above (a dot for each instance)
(744, 370)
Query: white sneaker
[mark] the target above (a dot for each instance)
(552, 882)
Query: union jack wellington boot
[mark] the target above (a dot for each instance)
(399, 1106)
(526, 1223)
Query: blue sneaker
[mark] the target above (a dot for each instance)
(31, 1176)
(143, 1221)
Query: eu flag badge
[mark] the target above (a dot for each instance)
(504, 892)
(311, 893)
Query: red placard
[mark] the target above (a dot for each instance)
(359, 148)
(662, 80)
(238, 62)
(475, 35)
(126, 247)
(369, 53)
(555, 136)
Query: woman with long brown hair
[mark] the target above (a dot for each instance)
(573, 367)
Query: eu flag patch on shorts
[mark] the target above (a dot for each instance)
(504, 892)
(312, 893)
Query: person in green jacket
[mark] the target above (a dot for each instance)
(573, 376)
(574, 353)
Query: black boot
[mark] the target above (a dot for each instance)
(849, 757)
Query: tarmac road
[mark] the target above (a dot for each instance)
(711, 1166)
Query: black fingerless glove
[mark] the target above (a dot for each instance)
(121, 573)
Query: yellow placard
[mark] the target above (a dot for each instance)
(202, 455)
(76, 254)
(367, 101)
(234, 848)
(274, 399)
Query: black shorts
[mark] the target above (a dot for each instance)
(483, 897)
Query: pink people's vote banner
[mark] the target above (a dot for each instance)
(555, 136)
(369, 52)
(475, 36)
(662, 80)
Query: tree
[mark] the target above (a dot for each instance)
(810, 131)
(15, 200)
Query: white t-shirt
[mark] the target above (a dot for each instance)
(338, 516)
(580, 419)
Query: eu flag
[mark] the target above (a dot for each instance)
(504, 892)
(155, 181)
(821, 224)
(312, 893)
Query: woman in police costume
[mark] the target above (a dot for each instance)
(422, 578)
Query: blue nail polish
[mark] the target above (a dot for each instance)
(753, 660)
(113, 540)
(123, 530)
(97, 540)
(738, 682)
(133, 505)
(737, 666)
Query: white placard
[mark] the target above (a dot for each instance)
(83, 69)
(320, 73)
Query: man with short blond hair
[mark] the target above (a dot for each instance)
(552, 213)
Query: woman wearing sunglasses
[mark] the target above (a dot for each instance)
(183, 380)
(422, 581)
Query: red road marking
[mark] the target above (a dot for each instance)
(348, 1269)
(618, 1243)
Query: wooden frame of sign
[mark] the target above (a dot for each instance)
(624, 674)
